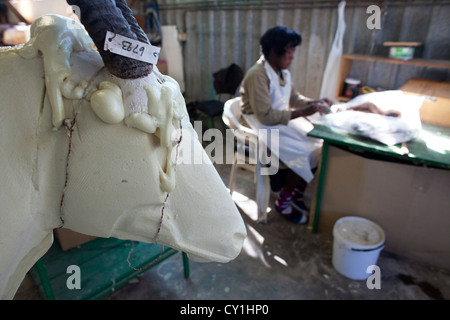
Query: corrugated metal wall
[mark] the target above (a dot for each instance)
(219, 33)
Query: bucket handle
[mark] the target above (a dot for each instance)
(372, 249)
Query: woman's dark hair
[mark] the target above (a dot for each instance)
(279, 38)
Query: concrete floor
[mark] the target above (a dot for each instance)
(279, 261)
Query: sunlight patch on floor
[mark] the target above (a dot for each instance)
(247, 205)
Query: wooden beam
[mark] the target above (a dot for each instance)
(14, 11)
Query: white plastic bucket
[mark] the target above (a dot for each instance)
(357, 245)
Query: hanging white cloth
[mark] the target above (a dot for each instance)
(294, 148)
(330, 75)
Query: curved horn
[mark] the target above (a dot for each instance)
(98, 17)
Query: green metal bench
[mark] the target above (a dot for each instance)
(104, 265)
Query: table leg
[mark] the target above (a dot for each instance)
(186, 264)
(45, 282)
(320, 183)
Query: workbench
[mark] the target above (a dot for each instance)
(406, 194)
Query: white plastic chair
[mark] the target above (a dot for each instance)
(246, 155)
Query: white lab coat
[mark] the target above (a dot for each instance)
(294, 148)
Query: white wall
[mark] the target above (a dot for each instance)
(31, 9)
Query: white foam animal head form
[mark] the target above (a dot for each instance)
(111, 168)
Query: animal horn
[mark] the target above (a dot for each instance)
(98, 17)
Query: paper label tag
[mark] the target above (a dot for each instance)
(131, 48)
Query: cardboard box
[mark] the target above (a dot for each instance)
(69, 239)
(436, 107)
(409, 202)
(162, 66)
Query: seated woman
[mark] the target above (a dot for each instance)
(269, 101)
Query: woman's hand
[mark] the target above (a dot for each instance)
(322, 106)
(327, 101)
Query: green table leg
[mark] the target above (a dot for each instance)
(210, 122)
(186, 265)
(323, 167)
(45, 282)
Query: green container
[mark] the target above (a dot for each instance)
(402, 53)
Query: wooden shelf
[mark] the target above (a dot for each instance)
(414, 62)
(347, 60)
